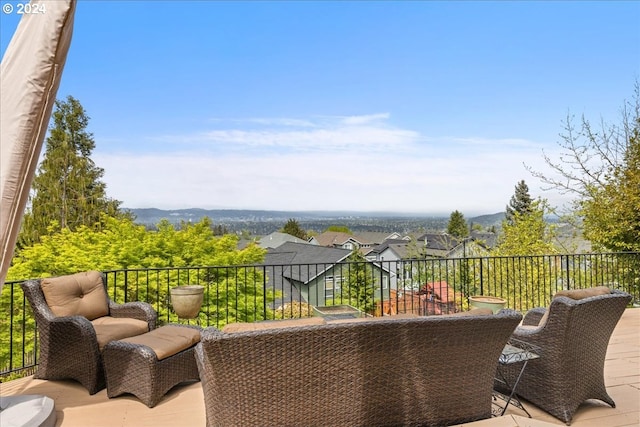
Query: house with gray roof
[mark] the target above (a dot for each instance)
(277, 239)
(315, 274)
(405, 256)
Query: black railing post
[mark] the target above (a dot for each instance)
(11, 331)
(482, 275)
(568, 273)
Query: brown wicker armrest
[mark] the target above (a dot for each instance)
(210, 331)
(61, 328)
(135, 310)
(533, 316)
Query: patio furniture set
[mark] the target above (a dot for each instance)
(397, 370)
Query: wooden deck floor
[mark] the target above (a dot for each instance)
(184, 405)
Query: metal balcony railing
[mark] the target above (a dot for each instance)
(248, 293)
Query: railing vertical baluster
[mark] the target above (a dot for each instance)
(11, 309)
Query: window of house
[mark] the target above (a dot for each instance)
(332, 286)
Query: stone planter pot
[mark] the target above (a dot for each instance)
(187, 300)
(494, 303)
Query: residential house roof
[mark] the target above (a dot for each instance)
(277, 238)
(485, 238)
(298, 262)
(337, 239)
(442, 292)
(377, 237)
(305, 253)
(399, 247)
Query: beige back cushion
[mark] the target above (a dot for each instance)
(275, 324)
(576, 294)
(77, 294)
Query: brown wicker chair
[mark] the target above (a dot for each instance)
(573, 337)
(435, 370)
(72, 334)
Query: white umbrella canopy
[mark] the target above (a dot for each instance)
(30, 75)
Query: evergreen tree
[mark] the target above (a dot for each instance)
(293, 228)
(360, 284)
(67, 191)
(457, 225)
(520, 202)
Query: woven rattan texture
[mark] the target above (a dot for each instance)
(424, 371)
(573, 345)
(134, 368)
(68, 345)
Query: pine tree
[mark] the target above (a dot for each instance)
(457, 225)
(293, 228)
(521, 202)
(67, 191)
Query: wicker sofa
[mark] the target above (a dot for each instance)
(435, 370)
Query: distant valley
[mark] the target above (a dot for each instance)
(261, 222)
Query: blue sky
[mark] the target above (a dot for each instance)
(420, 107)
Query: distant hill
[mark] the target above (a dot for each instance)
(488, 221)
(261, 222)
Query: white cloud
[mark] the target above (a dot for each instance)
(370, 166)
(269, 121)
(322, 135)
(364, 119)
(477, 141)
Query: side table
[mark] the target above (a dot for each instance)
(516, 351)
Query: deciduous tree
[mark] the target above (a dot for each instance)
(339, 229)
(527, 233)
(612, 214)
(599, 166)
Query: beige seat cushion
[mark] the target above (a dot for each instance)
(115, 328)
(77, 294)
(167, 340)
(275, 324)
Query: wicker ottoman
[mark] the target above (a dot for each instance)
(149, 365)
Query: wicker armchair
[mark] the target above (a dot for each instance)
(75, 319)
(573, 335)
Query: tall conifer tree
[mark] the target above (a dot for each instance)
(67, 191)
(521, 202)
(457, 225)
